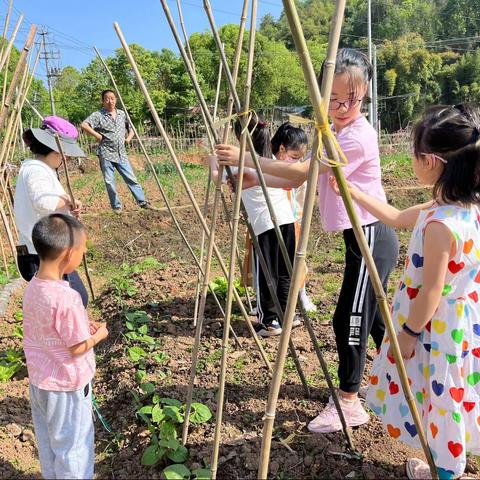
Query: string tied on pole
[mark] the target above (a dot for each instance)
(324, 129)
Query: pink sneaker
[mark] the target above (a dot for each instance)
(328, 421)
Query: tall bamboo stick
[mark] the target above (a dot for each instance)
(16, 74)
(321, 119)
(7, 51)
(7, 20)
(236, 218)
(72, 201)
(188, 190)
(210, 125)
(157, 180)
(217, 91)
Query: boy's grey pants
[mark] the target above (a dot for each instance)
(64, 429)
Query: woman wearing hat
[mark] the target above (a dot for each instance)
(38, 191)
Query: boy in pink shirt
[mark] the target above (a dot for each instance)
(58, 345)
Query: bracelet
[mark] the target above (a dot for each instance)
(410, 332)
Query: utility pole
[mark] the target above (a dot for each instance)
(369, 34)
(51, 72)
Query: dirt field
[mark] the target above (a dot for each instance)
(127, 280)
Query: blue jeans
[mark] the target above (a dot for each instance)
(125, 170)
(64, 429)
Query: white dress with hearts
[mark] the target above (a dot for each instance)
(444, 373)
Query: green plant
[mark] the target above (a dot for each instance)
(123, 283)
(219, 286)
(11, 361)
(162, 417)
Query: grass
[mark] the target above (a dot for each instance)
(397, 165)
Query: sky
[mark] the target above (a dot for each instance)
(74, 27)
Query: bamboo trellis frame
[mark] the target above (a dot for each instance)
(184, 181)
(260, 255)
(157, 180)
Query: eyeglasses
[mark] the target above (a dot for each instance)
(336, 105)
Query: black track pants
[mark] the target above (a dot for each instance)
(357, 316)
(270, 247)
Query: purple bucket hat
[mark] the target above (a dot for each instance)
(67, 134)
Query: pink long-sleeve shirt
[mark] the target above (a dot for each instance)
(360, 145)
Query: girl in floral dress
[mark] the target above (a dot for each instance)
(436, 309)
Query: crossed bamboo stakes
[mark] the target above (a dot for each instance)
(299, 265)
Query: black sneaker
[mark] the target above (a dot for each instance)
(271, 330)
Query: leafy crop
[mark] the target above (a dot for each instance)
(11, 361)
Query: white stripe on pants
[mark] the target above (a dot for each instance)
(64, 430)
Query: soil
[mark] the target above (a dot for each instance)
(166, 293)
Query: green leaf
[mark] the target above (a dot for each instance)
(143, 329)
(152, 455)
(176, 472)
(156, 398)
(147, 388)
(168, 430)
(170, 443)
(136, 353)
(200, 413)
(132, 335)
(179, 455)
(173, 413)
(140, 375)
(147, 339)
(202, 474)
(157, 414)
(146, 409)
(130, 325)
(160, 357)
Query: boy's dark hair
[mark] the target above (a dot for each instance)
(107, 91)
(54, 234)
(34, 145)
(292, 138)
(260, 134)
(355, 64)
(452, 133)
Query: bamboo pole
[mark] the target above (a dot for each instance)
(8, 231)
(321, 119)
(72, 201)
(188, 190)
(16, 74)
(7, 51)
(217, 91)
(259, 252)
(7, 20)
(209, 180)
(236, 218)
(157, 180)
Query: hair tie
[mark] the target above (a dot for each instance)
(262, 124)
